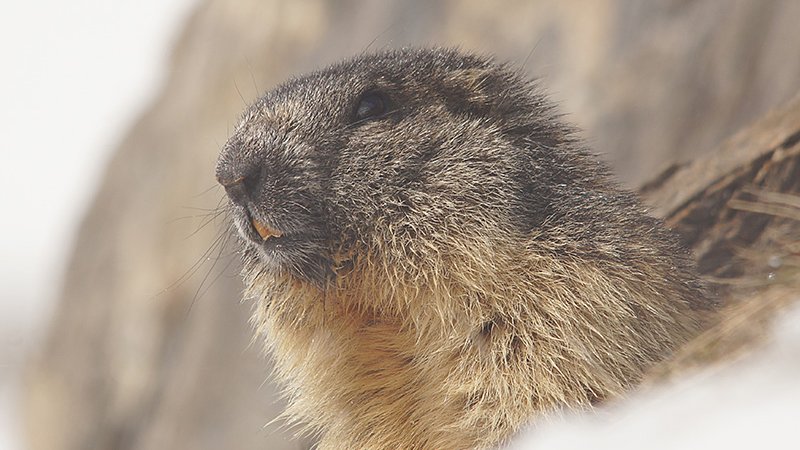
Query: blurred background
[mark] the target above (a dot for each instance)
(75, 76)
(121, 325)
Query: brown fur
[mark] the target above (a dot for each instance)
(446, 326)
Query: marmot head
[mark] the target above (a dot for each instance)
(403, 146)
(437, 260)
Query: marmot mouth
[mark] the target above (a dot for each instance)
(256, 230)
(298, 251)
(264, 231)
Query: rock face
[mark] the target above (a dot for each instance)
(150, 347)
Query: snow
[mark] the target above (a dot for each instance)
(750, 404)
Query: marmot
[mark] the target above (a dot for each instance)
(437, 259)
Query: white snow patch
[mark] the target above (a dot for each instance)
(750, 404)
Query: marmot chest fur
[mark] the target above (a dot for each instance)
(436, 259)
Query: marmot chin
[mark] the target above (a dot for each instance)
(436, 257)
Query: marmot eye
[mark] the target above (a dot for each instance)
(372, 104)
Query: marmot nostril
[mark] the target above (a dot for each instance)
(237, 191)
(243, 188)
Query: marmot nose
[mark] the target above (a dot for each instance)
(241, 188)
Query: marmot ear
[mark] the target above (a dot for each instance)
(470, 90)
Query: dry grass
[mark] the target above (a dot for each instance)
(753, 301)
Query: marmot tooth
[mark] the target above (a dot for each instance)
(264, 231)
